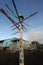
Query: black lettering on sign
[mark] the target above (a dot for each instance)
(20, 60)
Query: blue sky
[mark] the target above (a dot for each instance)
(25, 7)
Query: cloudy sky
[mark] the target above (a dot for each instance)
(35, 35)
(25, 7)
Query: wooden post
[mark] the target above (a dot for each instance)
(21, 50)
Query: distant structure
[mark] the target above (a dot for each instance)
(12, 44)
(34, 45)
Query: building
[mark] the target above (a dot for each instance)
(13, 44)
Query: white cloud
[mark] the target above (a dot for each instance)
(35, 35)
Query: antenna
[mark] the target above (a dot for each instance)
(19, 26)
